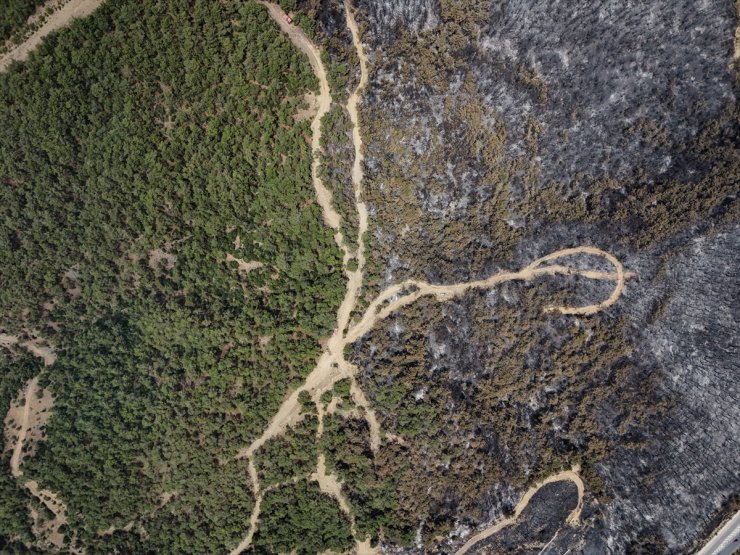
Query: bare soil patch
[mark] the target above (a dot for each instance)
(48, 531)
(159, 258)
(309, 109)
(329, 484)
(244, 266)
(24, 428)
(36, 346)
(24, 423)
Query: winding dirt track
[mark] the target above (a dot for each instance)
(61, 18)
(573, 519)
(409, 291)
(332, 365)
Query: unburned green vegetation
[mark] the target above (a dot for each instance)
(299, 518)
(369, 489)
(290, 455)
(138, 149)
(13, 14)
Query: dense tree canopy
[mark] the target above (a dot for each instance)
(139, 148)
(13, 14)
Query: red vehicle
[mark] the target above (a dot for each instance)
(288, 18)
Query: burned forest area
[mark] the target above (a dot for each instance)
(369, 276)
(500, 131)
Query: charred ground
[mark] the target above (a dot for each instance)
(500, 131)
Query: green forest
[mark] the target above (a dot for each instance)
(13, 14)
(140, 147)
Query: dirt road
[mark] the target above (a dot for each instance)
(332, 365)
(30, 399)
(352, 103)
(61, 18)
(573, 518)
(32, 414)
(397, 296)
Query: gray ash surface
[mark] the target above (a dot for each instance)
(613, 124)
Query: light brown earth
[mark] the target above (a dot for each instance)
(48, 531)
(254, 518)
(332, 366)
(24, 423)
(407, 292)
(323, 103)
(244, 266)
(61, 18)
(310, 108)
(112, 529)
(73, 276)
(23, 427)
(329, 484)
(159, 257)
(36, 346)
(164, 498)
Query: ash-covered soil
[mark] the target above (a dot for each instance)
(607, 68)
(497, 132)
(539, 525)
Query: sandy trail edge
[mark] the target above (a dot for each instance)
(254, 518)
(61, 18)
(573, 518)
(323, 100)
(30, 398)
